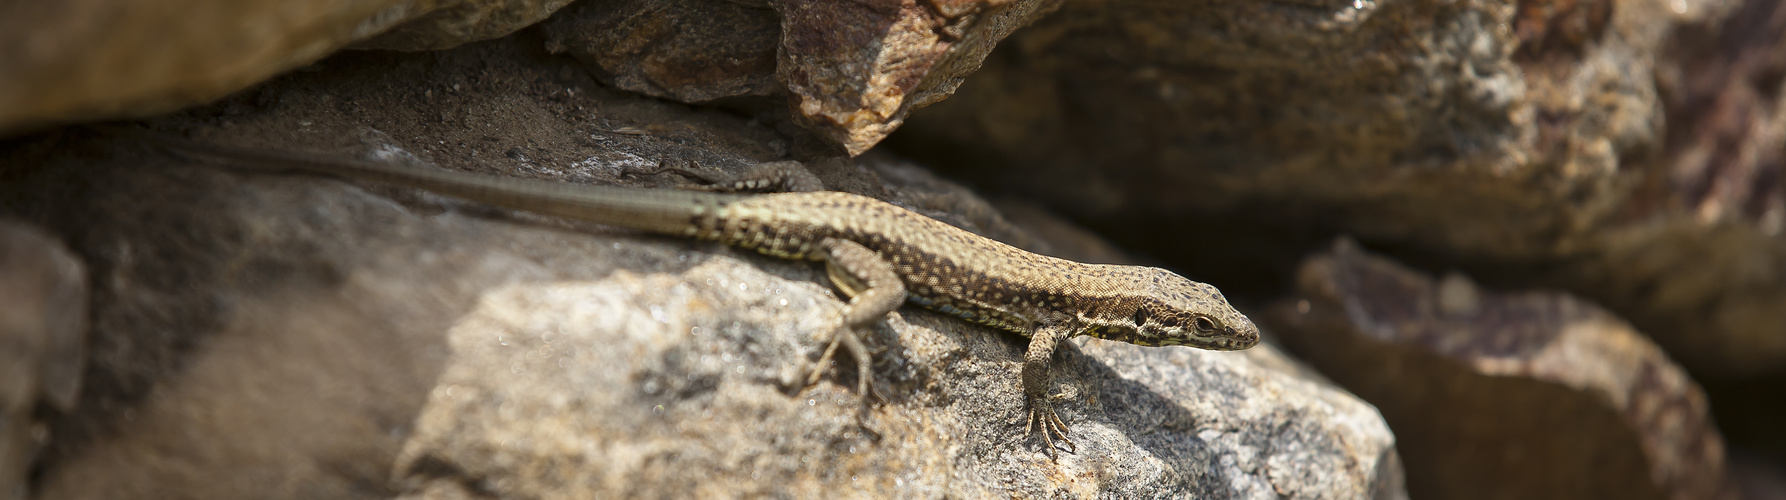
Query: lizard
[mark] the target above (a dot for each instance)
(878, 255)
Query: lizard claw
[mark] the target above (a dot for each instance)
(1041, 414)
(818, 370)
(864, 366)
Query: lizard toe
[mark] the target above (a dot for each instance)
(1043, 417)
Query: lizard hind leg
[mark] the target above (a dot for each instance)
(874, 290)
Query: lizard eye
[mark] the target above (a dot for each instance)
(1204, 324)
(1140, 317)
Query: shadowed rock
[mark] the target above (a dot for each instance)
(1504, 395)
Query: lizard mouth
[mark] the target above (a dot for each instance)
(1230, 340)
(1242, 340)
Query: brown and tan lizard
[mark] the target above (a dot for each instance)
(877, 254)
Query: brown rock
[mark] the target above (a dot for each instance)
(1525, 136)
(687, 50)
(1720, 190)
(83, 60)
(850, 70)
(855, 69)
(64, 62)
(444, 24)
(1504, 395)
(1724, 144)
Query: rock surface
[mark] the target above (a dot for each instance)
(287, 336)
(851, 71)
(443, 24)
(1628, 153)
(69, 61)
(1480, 385)
(1528, 141)
(687, 50)
(43, 330)
(687, 384)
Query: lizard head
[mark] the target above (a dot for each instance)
(1175, 311)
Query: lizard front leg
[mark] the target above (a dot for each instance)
(769, 177)
(1037, 376)
(874, 290)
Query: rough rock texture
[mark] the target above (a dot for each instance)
(687, 50)
(855, 69)
(43, 329)
(1523, 140)
(1627, 152)
(442, 24)
(851, 71)
(275, 336)
(73, 60)
(1727, 133)
(686, 384)
(1481, 387)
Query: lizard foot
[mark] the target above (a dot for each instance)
(864, 368)
(770, 177)
(1041, 414)
(664, 166)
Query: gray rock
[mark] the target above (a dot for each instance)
(688, 384)
(43, 334)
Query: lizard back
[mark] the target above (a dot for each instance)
(945, 268)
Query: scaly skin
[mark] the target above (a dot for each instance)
(876, 253)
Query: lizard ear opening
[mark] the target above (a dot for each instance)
(1140, 317)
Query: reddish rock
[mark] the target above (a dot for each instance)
(1504, 395)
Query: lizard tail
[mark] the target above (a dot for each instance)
(664, 211)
